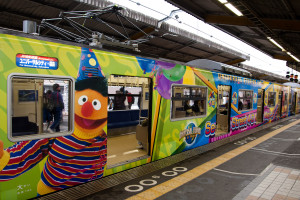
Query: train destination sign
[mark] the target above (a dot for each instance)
(39, 62)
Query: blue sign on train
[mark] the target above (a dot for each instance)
(39, 62)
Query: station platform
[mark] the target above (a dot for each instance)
(263, 165)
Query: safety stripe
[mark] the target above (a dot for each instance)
(186, 177)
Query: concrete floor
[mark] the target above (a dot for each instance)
(264, 165)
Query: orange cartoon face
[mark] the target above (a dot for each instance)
(90, 112)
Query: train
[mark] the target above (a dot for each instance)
(118, 111)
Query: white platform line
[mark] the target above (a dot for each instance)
(237, 173)
(275, 152)
(282, 139)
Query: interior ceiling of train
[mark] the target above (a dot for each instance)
(259, 23)
(144, 33)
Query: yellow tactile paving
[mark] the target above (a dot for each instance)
(136, 197)
(163, 188)
(177, 181)
(184, 179)
(150, 194)
(172, 183)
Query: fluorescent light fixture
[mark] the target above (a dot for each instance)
(223, 1)
(274, 42)
(233, 9)
(294, 57)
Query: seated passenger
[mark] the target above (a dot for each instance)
(187, 108)
(240, 107)
(195, 107)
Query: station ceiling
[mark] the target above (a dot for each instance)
(169, 42)
(278, 19)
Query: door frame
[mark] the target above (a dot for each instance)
(262, 105)
(229, 106)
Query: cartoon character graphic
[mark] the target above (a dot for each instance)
(72, 159)
(212, 100)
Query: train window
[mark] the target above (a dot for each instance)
(245, 100)
(35, 110)
(188, 101)
(271, 99)
(285, 99)
(125, 92)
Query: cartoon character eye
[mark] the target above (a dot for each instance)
(96, 104)
(82, 100)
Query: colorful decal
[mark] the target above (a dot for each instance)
(269, 116)
(70, 161)
(89, 66)
(210, 129)
(212, 99)
(254, 97)
(167, 75)
(190, 133)
(147, 65)
(39, 62)
(234, 98)
(52, 164)
(243, 122)
(236, 79)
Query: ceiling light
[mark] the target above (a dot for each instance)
(294, 57)
(274, 42)
(223, 1)
(233, 9)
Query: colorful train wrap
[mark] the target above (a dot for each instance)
(36, 162)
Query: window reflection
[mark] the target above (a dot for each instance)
(34, 106)
(245, 100)
(285, 99)
(271, 99)
(188, 101)
(128, 93)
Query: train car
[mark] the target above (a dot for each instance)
(71, 114)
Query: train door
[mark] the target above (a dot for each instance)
(128, 123)
(223, 110)
(260, 105)
(279, 109)
(294, 100)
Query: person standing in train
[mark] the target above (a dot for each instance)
(58, 108)
(130, 99)
(119, 100)
(47, 110)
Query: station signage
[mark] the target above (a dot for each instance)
(38, 62)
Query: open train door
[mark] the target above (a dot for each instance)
(260, 105)
(223, 110)
(128, 119)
